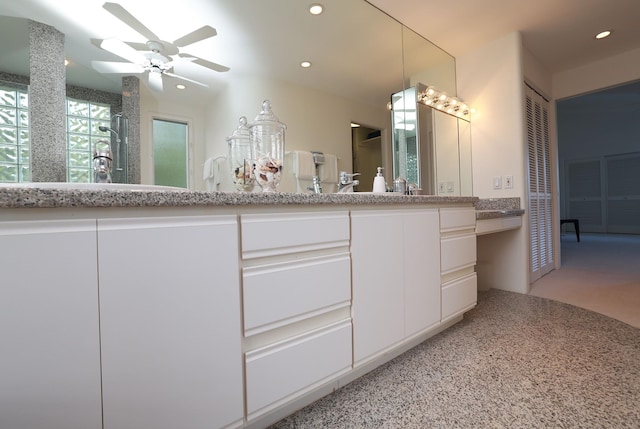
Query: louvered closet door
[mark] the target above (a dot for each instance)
(540, 198)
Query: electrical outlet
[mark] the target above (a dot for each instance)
(497, 182)
(508, 182)
(441, 188)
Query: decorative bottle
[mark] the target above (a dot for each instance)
(267, 148)
(240, 161)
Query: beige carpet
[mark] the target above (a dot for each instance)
(601, 273)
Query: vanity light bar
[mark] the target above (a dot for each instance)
(441, 101)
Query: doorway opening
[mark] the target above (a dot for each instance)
(366, 149)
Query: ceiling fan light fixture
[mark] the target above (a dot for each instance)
(603, 34)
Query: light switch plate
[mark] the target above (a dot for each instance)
(497, 182)
(508, 182)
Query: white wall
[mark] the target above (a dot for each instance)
(491, 79)
(612, 71)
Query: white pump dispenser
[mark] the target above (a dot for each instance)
(379, 184)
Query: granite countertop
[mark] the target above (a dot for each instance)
(51, 196)
(491, 208)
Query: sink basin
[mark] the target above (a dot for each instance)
(92, 186)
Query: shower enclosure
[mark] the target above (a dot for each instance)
(119, 131)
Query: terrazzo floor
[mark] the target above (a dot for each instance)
(515, 361)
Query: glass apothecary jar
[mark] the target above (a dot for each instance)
(240, 161)
(267, 148)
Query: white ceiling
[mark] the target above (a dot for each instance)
(559, 33)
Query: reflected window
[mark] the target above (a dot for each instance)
(14, 134)
(170, 151)
(83, 121)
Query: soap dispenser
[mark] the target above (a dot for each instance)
(379, 184)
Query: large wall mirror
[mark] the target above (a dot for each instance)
(360, 57)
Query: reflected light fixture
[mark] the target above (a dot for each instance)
(316, 9)
(603, 34)
(180, 86)
(441, 101)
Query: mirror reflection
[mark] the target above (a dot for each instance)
(360, 57)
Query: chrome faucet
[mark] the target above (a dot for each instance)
(102, 162)
(346, 181)
(316, 188)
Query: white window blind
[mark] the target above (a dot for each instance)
(539, 178)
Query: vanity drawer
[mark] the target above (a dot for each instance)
(459, 295)
(457, 252)
(282, 369)
(452, 219)
(282, 293)
(274, 234)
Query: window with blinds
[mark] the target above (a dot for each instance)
(539, 178)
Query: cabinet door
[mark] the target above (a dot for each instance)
(421, 270)
(170, 322)
(50, 359)
(377, 281)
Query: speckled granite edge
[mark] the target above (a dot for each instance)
(34, 197)
(511, 203)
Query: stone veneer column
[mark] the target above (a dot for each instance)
(47, 104)
(131, 110)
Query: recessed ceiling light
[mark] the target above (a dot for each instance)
(66, 62)
(305, 64)
(180, 86)
(603, 34)
(316, 9)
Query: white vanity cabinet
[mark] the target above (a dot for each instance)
(296, 300)
(395, 277)
(50, 358)
(170, 322)
(458, 259)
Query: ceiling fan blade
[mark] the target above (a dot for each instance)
(115, 67)
(186, 79)
(205, 63)
(195, 36)
(123, 50)
(139, 46)
(155, 81)
(121, 13)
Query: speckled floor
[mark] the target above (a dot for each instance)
(515, 361)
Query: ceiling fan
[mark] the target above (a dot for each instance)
(156, 56)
